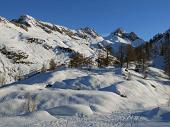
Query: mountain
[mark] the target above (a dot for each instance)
(137, 94)
(121, 37)
(29, 43)
(161, 41)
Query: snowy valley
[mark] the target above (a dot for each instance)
(52, 76)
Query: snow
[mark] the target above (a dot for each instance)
(78, 97)
(39, 115)
(70, 110)
(88, 97)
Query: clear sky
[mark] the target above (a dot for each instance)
(145, 17)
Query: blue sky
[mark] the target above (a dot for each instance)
(145, 17)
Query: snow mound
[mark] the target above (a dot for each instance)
(159, 113)
(40, 115)
(71, 110)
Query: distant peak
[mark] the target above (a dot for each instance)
(25, 20)
(168, 31)
(87, 29)
(3, 19)
(26, 17)
(119, 31)
(90, 31)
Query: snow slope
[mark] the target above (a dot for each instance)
(27, 43)
(97, 97)
(74, 97)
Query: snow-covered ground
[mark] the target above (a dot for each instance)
(83, 97)
(88, 97)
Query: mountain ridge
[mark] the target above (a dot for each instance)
(29, 43)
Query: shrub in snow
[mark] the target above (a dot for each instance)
(19, 75)
(169, 101)
(43, 69)
(120, 94)
(30, 104)
(145, 74)
(129, 76)
(52, 65)
(77, 87)
(2, 79)
(48, 85)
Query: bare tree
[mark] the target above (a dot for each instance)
(167, 60)
(130, 55)
(19, 74)
(121, 57)
(78, 60)
(2, 78)
(30, 104)
(52, 65)
(43, 69)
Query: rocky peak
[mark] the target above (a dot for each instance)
(25, 20)
(2, 19)
(131, 36)
(118, 32)
(90, 32)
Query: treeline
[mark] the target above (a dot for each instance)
(139, 56)
(103, 59)
(165, 52)
(161, 47)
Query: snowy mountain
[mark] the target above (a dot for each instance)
(161, 39)
(29, 43)
(91, 96)
(121, 37)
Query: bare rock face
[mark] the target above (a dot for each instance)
(119, 32)
(90, 32)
